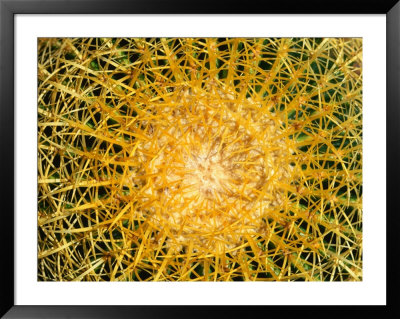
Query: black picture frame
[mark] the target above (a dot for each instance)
(8, 10)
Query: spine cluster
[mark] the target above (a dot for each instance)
(198, 159)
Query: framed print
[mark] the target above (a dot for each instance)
(166, 159)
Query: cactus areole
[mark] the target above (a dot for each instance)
(211, 164)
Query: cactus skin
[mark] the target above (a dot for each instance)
(200, 159)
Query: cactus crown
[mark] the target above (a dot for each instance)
(200, 159)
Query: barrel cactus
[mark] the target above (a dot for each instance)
(204, 159)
